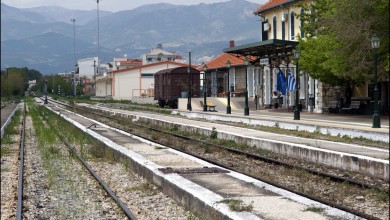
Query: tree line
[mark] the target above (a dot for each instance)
(15, 81)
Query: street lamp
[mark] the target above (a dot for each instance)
(98, 41)
(297, 55)
(45, 82)
(189, 106)
(246, 108)
(228, 108)
(74, 53)
(376, 121)
(204, 89)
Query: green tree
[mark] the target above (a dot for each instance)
(337, 44)
(14, 81)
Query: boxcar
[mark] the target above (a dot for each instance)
(171, 84)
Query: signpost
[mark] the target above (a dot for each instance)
(264, 61)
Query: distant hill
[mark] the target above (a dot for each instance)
(42, 38)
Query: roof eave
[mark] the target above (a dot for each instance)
(275, 7)
(261, 43)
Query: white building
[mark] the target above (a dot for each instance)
(159, 55)
(87, 67)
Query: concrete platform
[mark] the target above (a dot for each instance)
(203, 193)
(6, 115)
(368, 160)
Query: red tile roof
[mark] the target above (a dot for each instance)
(220, 61)
(127, 62)
(270, 4)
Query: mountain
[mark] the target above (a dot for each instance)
(45, 53)
(42, 37)
(59, 14)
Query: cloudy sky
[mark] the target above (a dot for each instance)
(106, 5)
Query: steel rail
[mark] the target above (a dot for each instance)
(126, 210)
(19, 208)
(331, 204)
(119, 202)
(262, 158)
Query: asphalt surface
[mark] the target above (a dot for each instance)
(6, 112)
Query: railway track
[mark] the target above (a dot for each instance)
(20, 203)
(100, 181)
(135, 192)
(19, 210)
(122, 206)
(191, 140)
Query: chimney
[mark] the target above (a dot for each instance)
(231, 43)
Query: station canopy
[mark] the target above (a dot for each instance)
(274, 49)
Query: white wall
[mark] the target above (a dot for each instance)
(86, 68)
(130, 83)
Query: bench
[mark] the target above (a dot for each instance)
(209, 105)
(238, 93)
(354, 107)
(332, 107)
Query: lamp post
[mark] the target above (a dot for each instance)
(376, 121)
(228, 108)
(246, 108)
(204, 89)
(297, 55)
(189, 106)
(98, 43)
(74, 53)
(45, 82)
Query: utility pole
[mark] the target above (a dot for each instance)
(94, 70)
(189, 106)
(98, 41)
(74, 53)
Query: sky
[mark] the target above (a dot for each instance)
(106, 5)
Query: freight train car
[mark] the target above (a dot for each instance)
(172, 84)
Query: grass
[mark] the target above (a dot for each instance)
(145, 187)
(237, 205)
(214, 133)
(10, 130)
(159, 148)
(314, 209)
(382, 196)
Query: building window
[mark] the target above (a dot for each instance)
(292, 21)
(274, 26)
(283, 31)
(149, 60)
(159, 59)
(265, 32)
(302, 33)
